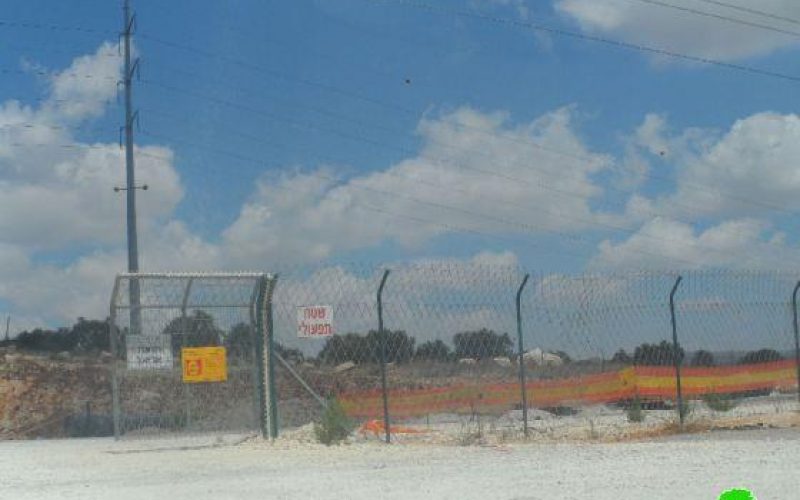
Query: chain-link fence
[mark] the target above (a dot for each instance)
(453, 351)
(187, 358)
(600, 358)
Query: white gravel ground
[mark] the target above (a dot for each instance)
(686, 467)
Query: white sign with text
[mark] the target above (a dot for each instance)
(148, 352)
(314, 321)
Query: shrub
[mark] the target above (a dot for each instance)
(760, 356)
(334, 426)
(635, 413)
(719, 402)
(621, 357)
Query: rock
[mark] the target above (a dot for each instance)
(504, 362)
(343, 367)
(540, 358)
(550, 359)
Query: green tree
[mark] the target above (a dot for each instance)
(481, 344)
(347, 347)
(703, 358)
(433, 350)
(91, 335)
(195, 330)
(39, 340)
(239, 342)
(663, 354)
(399, 346)
(366, 349)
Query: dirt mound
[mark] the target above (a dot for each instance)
(51, 396)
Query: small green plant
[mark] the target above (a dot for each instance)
(686, 409)
(635, 413)
(334, 426)
(719, 402)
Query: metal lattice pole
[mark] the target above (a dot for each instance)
(133, 245)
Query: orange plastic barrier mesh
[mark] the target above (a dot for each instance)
(649, 382)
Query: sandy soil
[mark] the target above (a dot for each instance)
(698, 466)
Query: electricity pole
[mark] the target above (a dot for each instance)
(8, 324)
(130, 190)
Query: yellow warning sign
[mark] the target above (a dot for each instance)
(204, 364)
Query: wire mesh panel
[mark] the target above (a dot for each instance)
(318, 364)
(451, 337)
(737, 346)
(186, 353)
(597, 356)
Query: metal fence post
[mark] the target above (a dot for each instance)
(187, 391)
(114, 344)
(273, 395)
(382, 335)
(522, 357)
(675, 352)
(261, 355)
(796, 337)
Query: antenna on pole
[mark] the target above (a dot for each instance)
(130, 189)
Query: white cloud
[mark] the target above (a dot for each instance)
(748, 171)
(56, 196)
(57, 191)
(665, 244)
(671, 29)
(498, 178)
(62, 190)
(84, 88)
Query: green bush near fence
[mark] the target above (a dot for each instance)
(334, 426)
(719, 402)
(635, 412)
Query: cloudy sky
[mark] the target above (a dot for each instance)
(562, 135)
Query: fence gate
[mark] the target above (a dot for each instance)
(189, 353)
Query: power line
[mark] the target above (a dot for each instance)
(263, 70)
(108, 148)
(406, 151)
(72, 74)
(395, 107)
(526, 228)
(7, 23)
(720, 17)
(591, 38)
(751, 11)
(448, 188)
